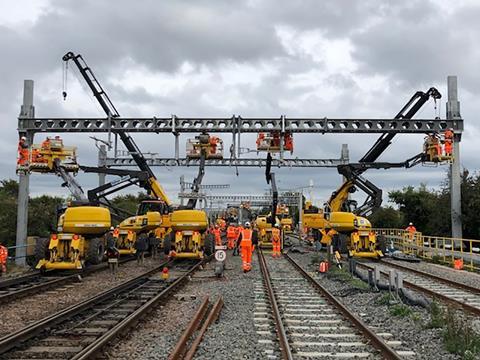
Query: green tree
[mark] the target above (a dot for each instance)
(42, 215)
(8, 211)
(387, 217)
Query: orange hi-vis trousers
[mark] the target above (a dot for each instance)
(246, 253)
(231, 242)
(276, 248)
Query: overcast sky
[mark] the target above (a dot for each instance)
(329, 58)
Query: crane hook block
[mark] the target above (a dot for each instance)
(64, 94)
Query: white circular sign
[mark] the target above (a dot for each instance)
(220, 255)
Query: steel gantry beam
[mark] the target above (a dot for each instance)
(237, 124)
(263, 199)
(240, 162)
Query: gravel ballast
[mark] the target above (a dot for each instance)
(461, 276)
(231, 337)
(24, 311)
(411, 329)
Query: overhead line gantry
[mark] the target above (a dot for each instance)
(29, 125)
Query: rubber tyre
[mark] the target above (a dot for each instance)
(41, 249)
(209, 244)
(382, 244)
(343, 246)
(167, 243)
(96, 251)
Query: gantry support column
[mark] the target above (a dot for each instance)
(27, 111)
(453, 112)
(102, 162)
(300, 217)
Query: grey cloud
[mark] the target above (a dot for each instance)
(396, 40)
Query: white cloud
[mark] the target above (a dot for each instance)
(21, 13)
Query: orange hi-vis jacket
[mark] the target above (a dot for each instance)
(231, 232)
(246, 237)
(116, 233)
(3, 254)
(448, 134)
(275, 235)
(411, 229)
(216, 232)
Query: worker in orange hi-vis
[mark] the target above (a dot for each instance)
(448, 147)
(116, 233)
(245, 244)
(411, 230)
(448, 134)
(218, 235)
(22, 151)
(276, 241)
(232, 235)
(46, 143)
(3, 259)
(448, 141)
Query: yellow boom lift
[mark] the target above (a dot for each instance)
(80, 229)
(343, 214)
(183, 230)
(265, 223)
(82, 225)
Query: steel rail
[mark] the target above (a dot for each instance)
(212, 316)
(95, 347)
(386, 351)
(37, 287)
(435, 277)
(282, 334)
(16, 338)
(18, 280)
(28, 290)
(180, 347)
(467, 307)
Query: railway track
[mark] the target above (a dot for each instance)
(455, 293)
(22, 286)
(82, 330)
(297, 318)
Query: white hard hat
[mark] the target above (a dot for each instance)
(410, 224)
(247, 224)
(23, 138)
(111, 228)
(276, 225)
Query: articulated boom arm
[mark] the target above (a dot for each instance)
(152, 185)
(97, 196)
(352, 171)
(339, 199)
(92, 83)
(407, 112)
(69, 182)
(198, 180)
(271, 180)
(127, 178)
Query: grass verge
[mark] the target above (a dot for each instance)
(458, 334)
